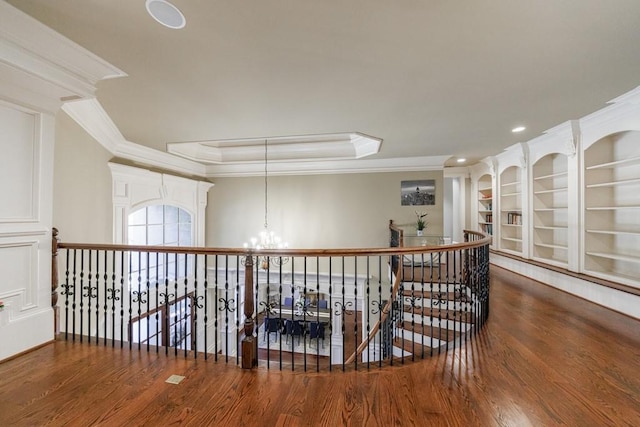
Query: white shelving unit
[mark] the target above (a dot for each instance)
(550, 209)
(612, 208)
(511, 210)
(485, 204)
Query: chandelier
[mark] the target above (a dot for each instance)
(267, 239)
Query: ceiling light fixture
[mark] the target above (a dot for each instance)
(518, 129)
(166, 14)
(461, 160)
(268, 239)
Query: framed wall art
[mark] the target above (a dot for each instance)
(418, 193)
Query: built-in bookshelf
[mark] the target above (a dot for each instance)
(485, 204)
(612, 207)
(511, 210)
(550, 213)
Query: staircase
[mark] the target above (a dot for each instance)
(429, 317)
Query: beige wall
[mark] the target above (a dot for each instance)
(82, 208)
(317, 211)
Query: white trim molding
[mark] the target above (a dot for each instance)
(134, 188)
(298, 148)
(613, 299)
(41, 68)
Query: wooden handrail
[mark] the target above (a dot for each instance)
(283, 252)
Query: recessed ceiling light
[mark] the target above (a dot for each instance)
(518, 129)
(166, 14)
(461, 160)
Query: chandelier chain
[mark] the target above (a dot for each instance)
(266, 208)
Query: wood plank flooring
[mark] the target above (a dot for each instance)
(544, 358)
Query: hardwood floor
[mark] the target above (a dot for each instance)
(544, 358)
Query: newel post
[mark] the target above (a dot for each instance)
(54, 280)
(249, 342)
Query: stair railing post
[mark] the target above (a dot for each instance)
(54, 281)
(249, 342)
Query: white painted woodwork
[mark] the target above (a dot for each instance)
(512, 188)
(580, 185)
(303, 148)
(608, 297)
(483, 191)
(39, 70)
(135, 188)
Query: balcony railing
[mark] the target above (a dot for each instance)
(318, 310)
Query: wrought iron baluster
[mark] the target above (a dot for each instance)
(81, 312)
(105, 307)
(130, 296)
(97, 288)
(239, 311)
(366, 310)
(226, 303)
(196, 305)
(159, 332)
(206, 306)
(122, 266)
(318, 315)
(66, 288)
(280, 305)
(187, 311)
(175, 304)
(148, 301)
(304, 312)
(113, 297)
(330, 328)
(293, 362)
(215, 310)
(73, 302)
(90, 294)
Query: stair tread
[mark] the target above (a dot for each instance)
(443, 334)
(446, 296)
(413, 348)
(441, 314)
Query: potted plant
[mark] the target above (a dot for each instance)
(421, 224)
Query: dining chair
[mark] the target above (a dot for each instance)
(316, 331)
(271, 325)
(293, 328)
(323, 303)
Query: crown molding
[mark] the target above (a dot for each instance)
(457, 172)
(43, 67)
(300, 148)
(90, 115)
(402, 164)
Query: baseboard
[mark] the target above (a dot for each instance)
(614, 299)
